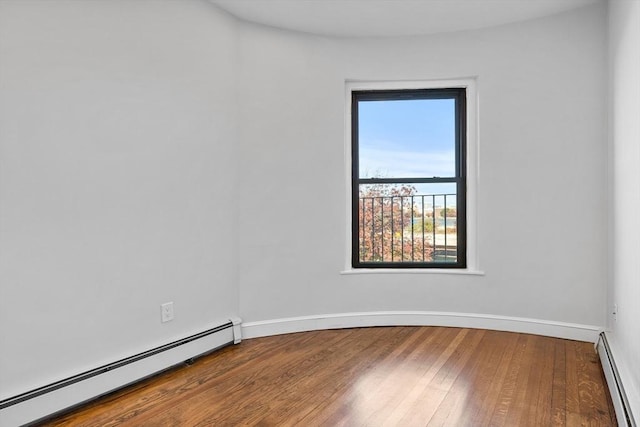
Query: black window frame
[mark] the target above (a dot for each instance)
(460, 178)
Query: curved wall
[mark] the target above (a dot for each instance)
(160, 151)
(542, 211)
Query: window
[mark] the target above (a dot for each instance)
(408, 180)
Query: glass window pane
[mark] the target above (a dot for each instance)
(406, 138)
(406, 223)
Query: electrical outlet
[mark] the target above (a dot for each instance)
(615, 312)
(166, 310)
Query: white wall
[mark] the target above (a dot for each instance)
(624, 45)
(542, 225)
(117, 123)
(125, 182)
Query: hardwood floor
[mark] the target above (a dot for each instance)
(385, 376)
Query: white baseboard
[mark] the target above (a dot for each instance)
(50, 399)
(573, 331)
(43, 405)
(625, 397)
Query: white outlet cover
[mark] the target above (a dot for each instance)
(166, 311)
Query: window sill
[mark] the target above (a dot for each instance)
(465, 272)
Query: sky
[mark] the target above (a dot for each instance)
(408, 138)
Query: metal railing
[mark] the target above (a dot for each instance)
(415, 228)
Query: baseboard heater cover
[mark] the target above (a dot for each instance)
(618, 395)
(61, 395)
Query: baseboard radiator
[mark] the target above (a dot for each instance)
(33, 406)
(618, 395)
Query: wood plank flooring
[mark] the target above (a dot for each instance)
(384, 376)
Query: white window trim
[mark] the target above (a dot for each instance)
(473, 171)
